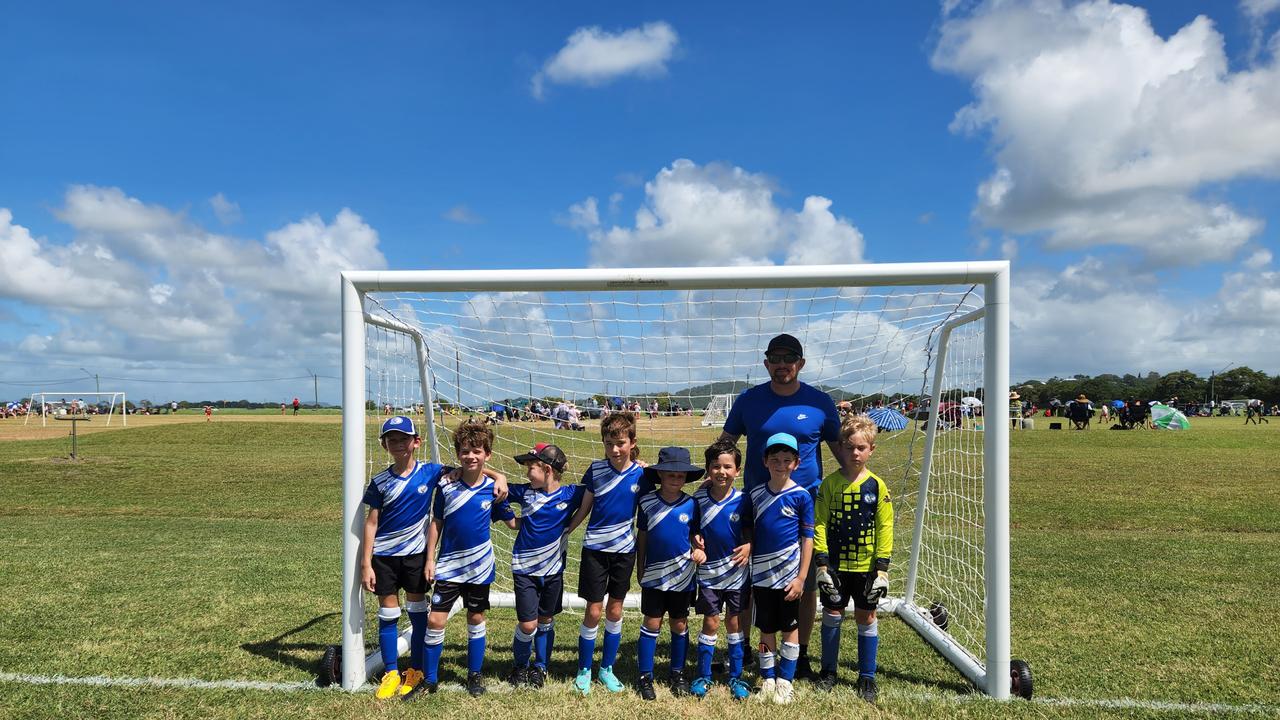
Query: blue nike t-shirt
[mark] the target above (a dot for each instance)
(809, 414)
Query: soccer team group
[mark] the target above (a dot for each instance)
(751, 556)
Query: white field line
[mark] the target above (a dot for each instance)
(1168, 706)
(501, 688)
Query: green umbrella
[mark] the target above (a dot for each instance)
(1163, 416)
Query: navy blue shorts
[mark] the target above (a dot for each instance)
(538, 596)
(713, 602)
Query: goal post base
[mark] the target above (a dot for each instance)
(923, 622)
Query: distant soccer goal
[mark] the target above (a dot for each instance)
(48, 404)
(932, 337)
(717, 410)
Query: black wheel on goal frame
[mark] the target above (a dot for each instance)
(330, 667)
(940, 616)
(1020, 678)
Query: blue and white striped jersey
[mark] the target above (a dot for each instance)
(613, 508)
(465, 512)
(667, 548)
(780, 521)
(540, 545)
(721, 524)
(403, 504)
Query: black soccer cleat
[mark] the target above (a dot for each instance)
(826, 681)
(475, 684)
(804, 671)
(536, 677)
(678, 683)
(867, 689)
(644, 686)
(519, 676)
(422, 688)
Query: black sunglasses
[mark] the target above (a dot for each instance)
(780, 359)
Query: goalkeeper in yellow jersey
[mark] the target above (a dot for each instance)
(853, 539)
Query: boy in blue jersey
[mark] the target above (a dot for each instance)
(393, 553)
(781, 515)
(461, 515)
(722, 579)
(666, 558)
(853, 536)
(537, 559)
(613, 486)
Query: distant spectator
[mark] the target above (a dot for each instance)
(1015, 409)
(1080, 411)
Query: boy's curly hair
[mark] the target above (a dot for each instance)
(858, 425)
(723, 447)
(475, 434)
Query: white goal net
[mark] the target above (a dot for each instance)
(511, 347)
(51, 404)
(717, 410)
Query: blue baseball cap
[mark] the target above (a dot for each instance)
(400, 424)
(784, 439)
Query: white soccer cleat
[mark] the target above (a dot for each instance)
(767, 690)
(783, 693)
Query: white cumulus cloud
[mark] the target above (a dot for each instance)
(139, 282)
(717, 214)
(1103, 131)
(593, 56)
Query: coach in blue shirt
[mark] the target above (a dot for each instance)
(786, 405)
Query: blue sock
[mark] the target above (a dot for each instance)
(831, 642)
(389, 636)
(706, 652)
(542, 644)
(433, 647)
(612, 639)
(476, 636)
(645, 649)
(586, 646)
(418, 621)
(735, 655)
(868, 644)
(788, 654)
(521, 648)
(765, 660)
(679, 650)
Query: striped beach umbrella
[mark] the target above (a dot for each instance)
(887, 418)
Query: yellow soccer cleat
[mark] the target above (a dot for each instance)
(411, 680)
(389, 686)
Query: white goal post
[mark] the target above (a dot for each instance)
(717, 410)
(64, 402)
(508, 346)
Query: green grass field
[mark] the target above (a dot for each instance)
(1141, 563)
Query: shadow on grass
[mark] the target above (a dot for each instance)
(301, 655)
(956, 686)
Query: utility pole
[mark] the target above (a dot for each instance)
(315, 379)
(97, 387)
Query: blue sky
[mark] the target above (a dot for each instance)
(180, 184)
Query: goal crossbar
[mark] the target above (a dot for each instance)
(991, 674)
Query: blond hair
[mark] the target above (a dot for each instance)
(858, 425)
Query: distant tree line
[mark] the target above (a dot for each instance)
(1234, 384)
